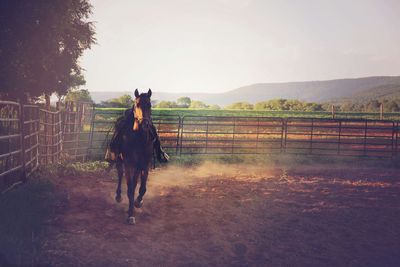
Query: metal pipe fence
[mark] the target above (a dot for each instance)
(261, 135)
(30, 136)
(268, 135)
(102, 125)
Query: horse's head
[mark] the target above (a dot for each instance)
(142, 110)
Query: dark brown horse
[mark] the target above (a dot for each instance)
(137, 153)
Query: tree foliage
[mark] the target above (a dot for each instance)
(198, 104)
(77, 95)
(167, 104)
(240, 105)
(389, 105)
(40, 43)
(124, 101)
(288, 104)
(184, 102)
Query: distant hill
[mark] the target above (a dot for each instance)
(312, 91)
(380, 93)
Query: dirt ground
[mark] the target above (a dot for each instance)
(232, 215)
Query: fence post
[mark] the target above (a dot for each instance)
(381, 111)
(258, 133)
(365, 137)
(181, 139)
(339, 138)
(179, 134)
(282, 134)
(92, 117)
(285, 134)
(207, 136)
(233, 135)
(333, 111)
(22, 139)
(397, 139)
(311, 135)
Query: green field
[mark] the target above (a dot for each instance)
(111, 112)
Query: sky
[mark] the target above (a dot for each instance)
(214, 46)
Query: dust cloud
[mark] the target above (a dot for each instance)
(177, 176)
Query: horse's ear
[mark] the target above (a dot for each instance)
(136, 93)
(149, 92)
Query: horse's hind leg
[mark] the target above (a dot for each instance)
(142, 189)
(120, 171)
(131, 184)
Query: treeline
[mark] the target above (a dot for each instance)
(389, 105)
(185, 102)
(126, 101)
(274, 104)
(278, 104)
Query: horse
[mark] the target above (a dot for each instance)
(136, 154)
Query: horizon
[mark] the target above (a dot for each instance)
(194, 92)
(217, 46)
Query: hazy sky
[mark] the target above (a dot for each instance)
(219, 45)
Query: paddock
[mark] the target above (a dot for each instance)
(230, 215)
(208, 214)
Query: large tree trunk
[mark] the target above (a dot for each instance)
(47, 98)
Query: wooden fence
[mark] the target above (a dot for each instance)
(19, 143)
(77, 129)
(30, 136)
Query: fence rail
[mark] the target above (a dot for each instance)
(19, 130)
(30, 136)
(267, 135)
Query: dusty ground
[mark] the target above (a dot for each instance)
(225, 215)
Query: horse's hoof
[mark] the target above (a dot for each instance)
(118, 198)
(131, 220)
(138, 204)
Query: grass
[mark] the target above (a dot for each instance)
(254, 113)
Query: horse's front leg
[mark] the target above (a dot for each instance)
(131, 184)
(142, 190)
(120, 171)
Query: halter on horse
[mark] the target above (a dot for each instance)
(137, 152)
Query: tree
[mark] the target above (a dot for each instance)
(240, 105)
(184, 102)
(215, 107)
(373, 106)
(40, 43)
(82, 95)
(167, 104)
(197, 104)
(391, 106)
(124, 101)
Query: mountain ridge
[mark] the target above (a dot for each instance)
(311, 91)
